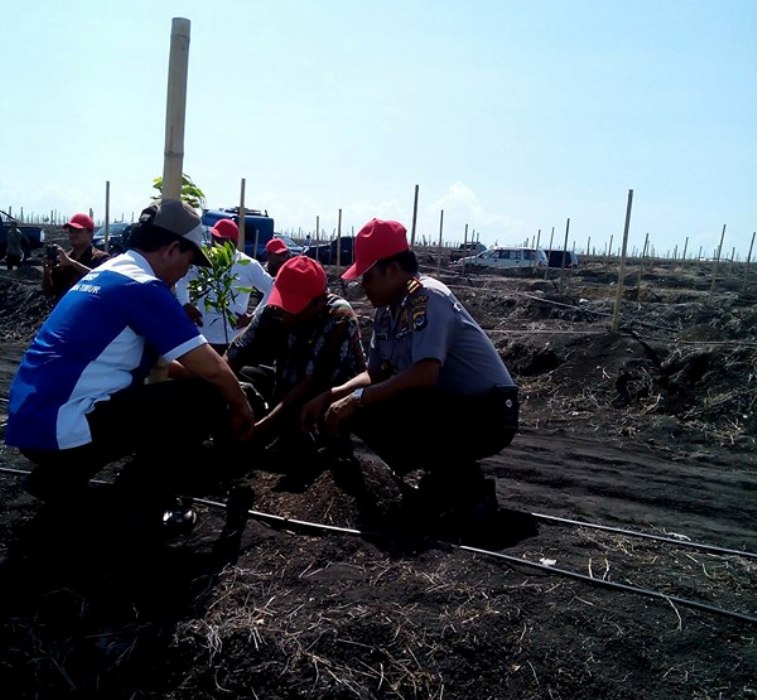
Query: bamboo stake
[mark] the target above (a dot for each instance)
(564, 254)
(176, 101)
(441, 228)
(536, 247)
(173, 152)
(415, 217)
(641, 263)
(609, 251)
(465, 250)
(107, 215)
(339, 240)
(748, 260)
(242, 217)
(551, 238)
(619, 295)
(717, 261)
(317, 229)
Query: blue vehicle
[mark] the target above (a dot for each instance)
(257, 226)
(34, 235)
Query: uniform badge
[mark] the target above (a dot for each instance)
(419, 318)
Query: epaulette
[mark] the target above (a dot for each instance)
(413, 285)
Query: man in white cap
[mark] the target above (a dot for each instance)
(80, 400)
(247, 275)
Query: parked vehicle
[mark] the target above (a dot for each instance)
(293, 245)
(35, 235)
(325, 253)
(555, 258)
(257, 226)
(472, 247)
(503, 257)
(118, 237)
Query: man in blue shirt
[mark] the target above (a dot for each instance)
(80, 398)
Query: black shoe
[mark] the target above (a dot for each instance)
(178, 519)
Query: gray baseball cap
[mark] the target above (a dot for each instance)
(176, 217)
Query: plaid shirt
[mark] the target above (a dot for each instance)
(329, 348)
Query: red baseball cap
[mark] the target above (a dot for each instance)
(297, 283)
(375, 241)
(225, 230)
(80, 221)
(276, 246)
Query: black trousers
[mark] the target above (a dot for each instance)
(162, 424)
(436, 431)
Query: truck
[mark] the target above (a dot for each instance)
(35, 235)
(257, 227)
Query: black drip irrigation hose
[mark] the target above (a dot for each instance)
(322, 527)
(671, 599)
(645, 535)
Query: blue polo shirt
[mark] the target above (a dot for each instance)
(103, 336)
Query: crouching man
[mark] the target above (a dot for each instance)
(436, 395)
(80, 400)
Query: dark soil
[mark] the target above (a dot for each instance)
(651, 428)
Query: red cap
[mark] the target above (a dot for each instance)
(80, 221)
(375, 241)
(276, 246)
(225, 230)
(297, 283)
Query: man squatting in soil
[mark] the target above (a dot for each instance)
(67, 268)
(247, 274)
(435, 395)
(79, 399)
(305, 340)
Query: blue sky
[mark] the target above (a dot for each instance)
(509, 116)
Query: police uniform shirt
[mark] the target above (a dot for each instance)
(103, 336)
(430, 323)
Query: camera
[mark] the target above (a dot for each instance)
(51, 253)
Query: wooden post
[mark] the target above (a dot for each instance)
(564, 254)
(176, 102)
(609, 251)
(748, 260)
(641, 264)
(173, 153)
(619, 295)
(536, 247)
(317, 229)
(588, 246)
(551, 238)
(107, 216)
(415, 217)
(465, 250)
(717, 262)
(441, 228)
(339, 241)
(242, 217)
(683, 255)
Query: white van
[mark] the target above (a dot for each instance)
(504, 257)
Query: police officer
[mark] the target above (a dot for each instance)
(436, 395)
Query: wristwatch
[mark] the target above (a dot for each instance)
(357, 394)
